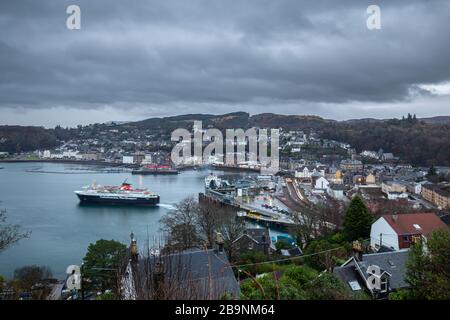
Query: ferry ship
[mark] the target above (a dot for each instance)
(155, 169)
(118, 195)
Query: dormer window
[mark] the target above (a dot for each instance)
(417, 227)
(384, 284)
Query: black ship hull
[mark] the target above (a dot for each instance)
(111, 200)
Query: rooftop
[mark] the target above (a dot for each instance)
(192, 274)
(392, 262)
(414, 223)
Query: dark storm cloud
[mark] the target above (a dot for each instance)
(236, 53)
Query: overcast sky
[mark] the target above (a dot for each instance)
(144, 58)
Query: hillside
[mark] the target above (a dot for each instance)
(421, 142)
(437, 120)
(18, 139)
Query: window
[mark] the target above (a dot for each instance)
(384, 284)
(354, 285)
(416, 239)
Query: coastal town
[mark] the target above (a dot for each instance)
(210, 158)
(284, 219)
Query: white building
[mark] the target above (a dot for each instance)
(393, 186)
(321, 183)
(308, 171)
(71, 155)
(400, 231)
(46, 154)
(415, 187)
(370, 154)
(127, 159)
(147, 160)
(336, 191)
(397, 195)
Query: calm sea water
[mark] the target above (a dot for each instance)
(43, 202)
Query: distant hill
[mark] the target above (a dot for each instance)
(229, 120)
(437, 120)
(18, 138)
(423, 142)
(234, 120)
(415, 141)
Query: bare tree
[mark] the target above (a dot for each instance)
(209, 219)
(178, 276)
(181, 225)
(306, 223)
(318, 219)
(9, 233)
(231, 228)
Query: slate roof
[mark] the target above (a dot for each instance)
(195, 274)
(256, 234)
(337, 187)
(446, 219)
(348, 274)
(392, 262)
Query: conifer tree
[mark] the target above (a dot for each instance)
(357, 220)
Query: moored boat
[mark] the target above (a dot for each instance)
(155, 169)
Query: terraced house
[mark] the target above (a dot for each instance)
(437, 195)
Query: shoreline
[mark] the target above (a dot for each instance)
(130, 166)
(89, 162)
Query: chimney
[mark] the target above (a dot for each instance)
(220, 242)
(134, 253)
(357, 250)
(394, 217)
(158, 279)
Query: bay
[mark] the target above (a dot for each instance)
(40, 198)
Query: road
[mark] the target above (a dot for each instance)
(56, 291)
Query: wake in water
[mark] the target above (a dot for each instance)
(167, 206)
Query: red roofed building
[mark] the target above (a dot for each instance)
(399, 231)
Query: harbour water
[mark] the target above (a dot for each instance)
(40, 198)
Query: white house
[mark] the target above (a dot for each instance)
(305, 172)
(127, 159)
(71, 154)
(46, 154)
(370, 154)
(397, 195)
(321, 183)
(382, 234)
(415, 187)
(400, 231)
(308, 171)
(336, 191)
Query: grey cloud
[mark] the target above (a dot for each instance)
(219, 53)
